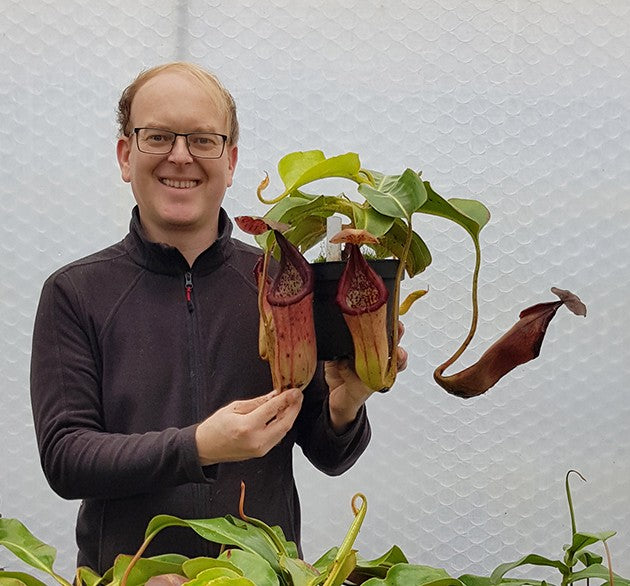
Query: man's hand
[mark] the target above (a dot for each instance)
(347, 392)
(247, 429)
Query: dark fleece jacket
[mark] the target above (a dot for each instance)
(132, 348)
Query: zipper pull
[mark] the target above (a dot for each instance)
(189, 286)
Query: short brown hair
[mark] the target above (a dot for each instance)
(225, 101)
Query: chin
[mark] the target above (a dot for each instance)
(188, 218)
(181, 222)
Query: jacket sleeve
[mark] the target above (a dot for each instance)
(79, 457)
(328, 451)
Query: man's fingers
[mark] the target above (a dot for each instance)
(276, 405)
(401, 358)
(248, 405)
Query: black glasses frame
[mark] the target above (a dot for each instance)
(136, 131)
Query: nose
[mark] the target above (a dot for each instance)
(180, 152)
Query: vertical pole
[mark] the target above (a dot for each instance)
(333, 226)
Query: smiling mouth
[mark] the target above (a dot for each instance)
(180, 184)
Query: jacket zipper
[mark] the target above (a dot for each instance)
(189, 287)
(198, 508)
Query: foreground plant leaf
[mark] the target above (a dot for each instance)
(520, 344)
(252, 565)
(145, 568)
(377, 568)
(528, 560)
(598, 572)
(362, 298)
(406, 574)
(346, 558)
(167, 580)
(88, 577)
(220, 576)
(18, 579)
(285, 303)
(276, 539)
(21, 542)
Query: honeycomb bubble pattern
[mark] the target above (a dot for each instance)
(523, 105)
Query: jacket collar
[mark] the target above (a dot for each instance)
(165, 259)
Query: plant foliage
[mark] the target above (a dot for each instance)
(259, 555)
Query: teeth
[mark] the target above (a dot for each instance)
(179, 184)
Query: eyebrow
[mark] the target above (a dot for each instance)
(160, 126)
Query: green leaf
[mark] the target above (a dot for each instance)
(322, 205)
(406, 574)
(468, 213)
(472, 580)
(295, 210)
(367, 218)
(324, 562)
(597, 571)
(18, 579)
(299, 168)
(391, 557)
(380, 566)
(283, 208)
(472, 209)
(218, 571)
(588, 558)
(307, 233)
(144, 569)
(581, 541)
(193, 567)
(22, 543)
(216, 579)
(108, 577)
(253, 566)
(170, 558)
(89, 577)
(397, 196)
(229, 531)
(336, 576)
(419, 256)
(300, 571)
(531, 559)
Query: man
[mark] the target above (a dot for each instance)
(147, 390)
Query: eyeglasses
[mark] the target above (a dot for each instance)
(204, 145)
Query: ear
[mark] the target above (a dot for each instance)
(123, 150)
(232, 158)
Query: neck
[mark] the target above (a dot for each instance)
(190, 243)
(190, 251)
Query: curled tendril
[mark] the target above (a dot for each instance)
(570, 500)
(345, 549)
(357, 509)
(241, 503)
(262, 186)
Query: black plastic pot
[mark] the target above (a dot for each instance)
(333, 337)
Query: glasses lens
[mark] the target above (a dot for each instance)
(152, 140)
(206, 145)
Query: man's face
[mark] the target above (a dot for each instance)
(176, 192)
